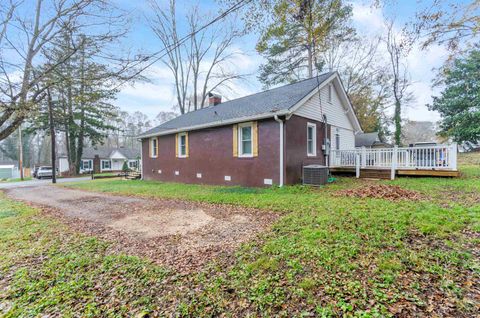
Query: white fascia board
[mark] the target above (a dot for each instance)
(216, 124)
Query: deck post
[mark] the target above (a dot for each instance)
(364, 157)
(394, 162)
(453, 155)
(357, 165)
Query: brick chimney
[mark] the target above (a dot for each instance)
(214, 99)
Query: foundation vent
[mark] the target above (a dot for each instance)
(315, 175)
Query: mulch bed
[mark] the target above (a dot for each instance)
(380, 191)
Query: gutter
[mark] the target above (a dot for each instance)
(281, 152)
(215, 124)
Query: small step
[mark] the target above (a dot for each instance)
(375, 173)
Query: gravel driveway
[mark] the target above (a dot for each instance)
(181, 234)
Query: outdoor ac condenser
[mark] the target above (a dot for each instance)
(315, 175)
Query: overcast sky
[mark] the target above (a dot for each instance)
(158, 95)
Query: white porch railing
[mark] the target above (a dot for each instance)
(438, 157)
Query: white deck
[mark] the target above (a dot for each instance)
(435, 158)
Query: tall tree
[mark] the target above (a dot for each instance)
(397, 49)
(200, 64)
(459, 102)
(452, 23)
(84, 89)
(365, 76)
(298, 34)
(28, 31)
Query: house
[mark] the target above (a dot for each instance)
(9, 169)
(103, 159)
(370, 140)
(260, 139)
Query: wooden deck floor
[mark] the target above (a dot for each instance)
(384, 173)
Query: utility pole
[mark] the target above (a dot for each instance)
(20, 151)
(52, 135)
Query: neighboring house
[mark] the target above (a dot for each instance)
(9, 169)
(370, 140)
(261, 139)
(103, 159)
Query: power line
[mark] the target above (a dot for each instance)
(170, 48)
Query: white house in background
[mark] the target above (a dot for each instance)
(108, 159)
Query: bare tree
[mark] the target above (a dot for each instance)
(365, 76)
(199, 65)
(400, 78)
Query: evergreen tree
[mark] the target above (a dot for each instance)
(292, 44)
(459, 103)
(84, 90)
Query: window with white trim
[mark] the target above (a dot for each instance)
(337, 139)
(245, 140)
(86, 165)
(329, 93)
(311, 139)
(182, 145)
(133, 164)
(153, 147)
(106, 165)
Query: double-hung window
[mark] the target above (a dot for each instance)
(182, 145)
(311, 139)
(106, 165)
(245, 140)
(86, 165)
(133, 164)
(153, 147)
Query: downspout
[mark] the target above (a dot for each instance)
(327, 143)
(280, 121)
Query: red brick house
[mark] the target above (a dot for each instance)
(257, 140)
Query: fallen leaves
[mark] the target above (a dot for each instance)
(380, 191)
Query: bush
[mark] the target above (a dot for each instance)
(125, 167)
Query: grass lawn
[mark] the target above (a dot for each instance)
(16, 179)
(328, 256)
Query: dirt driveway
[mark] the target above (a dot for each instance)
(181, 234)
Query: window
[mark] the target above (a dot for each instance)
(182, 145)
(330, 93)
(86, 165)
(133, 164)
(245, 146)
(337, 139)
(106, 165)
(153, 148)
(311, 139)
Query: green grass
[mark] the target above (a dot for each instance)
(327, 256)
(16, 179)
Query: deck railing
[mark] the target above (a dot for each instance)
(437, 157)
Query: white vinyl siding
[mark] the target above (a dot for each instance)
(346, 136)
(335, 111)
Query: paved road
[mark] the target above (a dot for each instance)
(35, 182)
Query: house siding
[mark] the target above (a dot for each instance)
(296, 147)
(211, 155)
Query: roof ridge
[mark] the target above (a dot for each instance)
(268, 90)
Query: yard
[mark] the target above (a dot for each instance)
(344, 249)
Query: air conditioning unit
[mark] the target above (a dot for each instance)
(315, 175)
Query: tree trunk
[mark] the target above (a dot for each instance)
(398, 123)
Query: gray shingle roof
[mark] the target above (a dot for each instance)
(274, 100)
(104, 152)
(366, 139)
